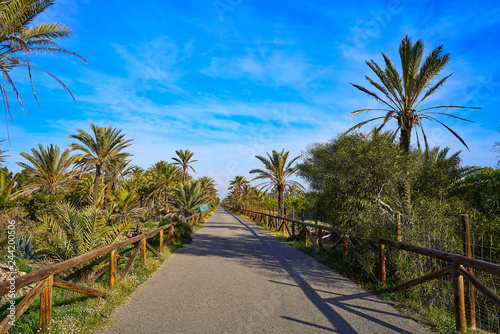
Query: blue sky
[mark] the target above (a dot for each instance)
(229, 79)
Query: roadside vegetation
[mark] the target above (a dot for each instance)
(77, 313)
(367, 182)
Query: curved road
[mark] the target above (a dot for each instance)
(235, 277)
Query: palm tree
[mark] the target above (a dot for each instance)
(164, 177)
(7, 182)
(187, 197)
(124, 202)
(74, 232)
(247, 192)
(119, 168)
(183, 160)
(403, 93)
(100, 150)
(277, 169)
(2, 154)
(50, 168)
(208, 188)
(237, 184)
(440, 174)
(18, 39)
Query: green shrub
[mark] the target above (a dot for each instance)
(24, 247)
(184, 232)
(165, 221)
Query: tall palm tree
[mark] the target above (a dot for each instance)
(403, 93)
(237, 185)
(100, 150)
(18, 39)
(277, 169)
(183, 160)
(50, 168)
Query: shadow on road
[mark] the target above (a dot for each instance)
(262, 251)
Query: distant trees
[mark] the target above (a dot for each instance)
(164, 178)
(236, 185)
(184, 161)
(87, 200)
(277, 170)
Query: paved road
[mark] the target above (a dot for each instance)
(235, 277)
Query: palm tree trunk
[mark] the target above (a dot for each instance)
(281, 202)
(405, 189)
(96, 185)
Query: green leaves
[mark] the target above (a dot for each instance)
(102, 151)
(73, 231)
(355, 175)
(51, 168)
(404, 92)
(277, 169)
(183, 160)
(18, 39)
(187, 197)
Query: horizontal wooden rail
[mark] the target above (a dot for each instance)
(434, 253)
(45, 272)
(437, 254)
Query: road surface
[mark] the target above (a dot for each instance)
(235, 277)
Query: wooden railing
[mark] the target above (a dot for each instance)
(45, 277)
(461, 266)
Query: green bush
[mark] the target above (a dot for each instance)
(24, 247)
(184, 232)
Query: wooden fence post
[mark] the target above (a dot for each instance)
(283, 221)
(319, 238)
(143, 252)
(112, 267)
(171, 233)
(459, 299)
(381, 269)
(470, 311)
(316, 220)
(344, 245)
(46, 306)
(161, 241)
(303, 215)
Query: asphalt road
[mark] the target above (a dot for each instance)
(235, 277)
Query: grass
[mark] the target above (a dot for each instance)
(435, 319)
(74, 312)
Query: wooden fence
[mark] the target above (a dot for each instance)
(461, 266)
(45, 277)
